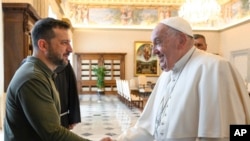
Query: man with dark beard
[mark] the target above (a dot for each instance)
(32, 103)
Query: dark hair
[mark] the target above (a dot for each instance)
(196, 36)
(43, 29)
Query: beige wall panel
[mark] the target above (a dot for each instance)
(212, 39)
(110, 40)
(235, 38)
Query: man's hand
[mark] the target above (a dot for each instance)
(71, 126)
(106, 139)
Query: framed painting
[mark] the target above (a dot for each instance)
(145, 62)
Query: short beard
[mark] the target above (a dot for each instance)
(55, 58)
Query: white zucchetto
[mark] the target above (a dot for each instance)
(179, 24)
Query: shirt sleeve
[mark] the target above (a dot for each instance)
(39, 107)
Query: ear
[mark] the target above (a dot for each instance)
(182, 39)
(42, 45)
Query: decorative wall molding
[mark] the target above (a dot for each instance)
(129, 2)
(241, 60)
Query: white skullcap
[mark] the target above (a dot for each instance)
(179, 24)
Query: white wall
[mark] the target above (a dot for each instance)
(235, 38)
(212, 39)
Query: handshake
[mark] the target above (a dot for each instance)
(133, 134)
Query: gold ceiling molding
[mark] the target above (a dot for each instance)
(128, 2)
(144, 14)
(135, 2)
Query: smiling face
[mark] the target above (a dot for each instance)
(169, 45)
(59, 47)
(165, 46)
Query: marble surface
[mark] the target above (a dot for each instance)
(102, 116)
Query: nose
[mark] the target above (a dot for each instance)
(154, 50)
(70, 49)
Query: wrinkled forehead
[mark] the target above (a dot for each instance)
(159, 30)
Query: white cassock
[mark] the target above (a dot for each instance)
(208, 95)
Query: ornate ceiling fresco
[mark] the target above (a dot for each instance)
(144, 14)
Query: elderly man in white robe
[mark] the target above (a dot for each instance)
(198, 95)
